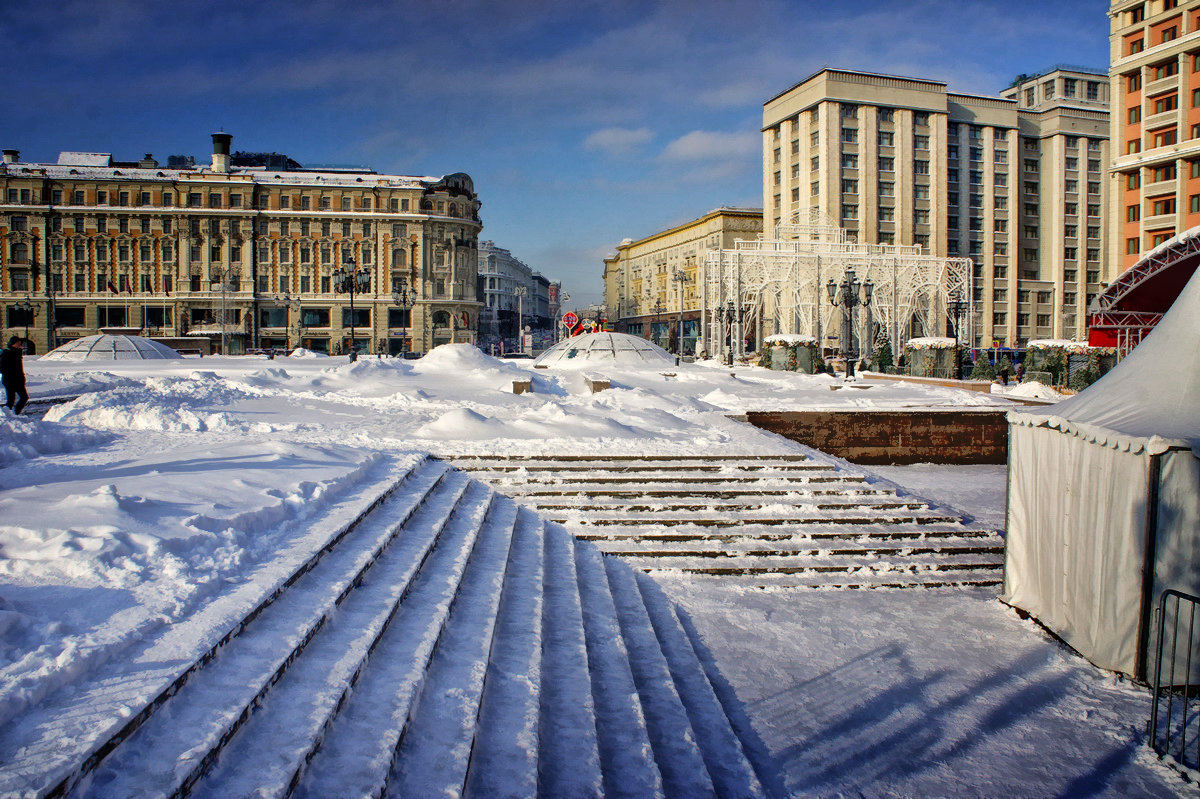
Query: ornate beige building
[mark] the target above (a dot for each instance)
(241, 252)
(1015, 183)
(652, 286)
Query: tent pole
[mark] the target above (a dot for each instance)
(1150, 555)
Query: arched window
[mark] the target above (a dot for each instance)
(441, 319)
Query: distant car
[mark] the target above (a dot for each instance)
(517, 355)
(410, 356)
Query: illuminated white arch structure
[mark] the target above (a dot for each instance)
(778, 285)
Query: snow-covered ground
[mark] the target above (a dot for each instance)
(168, 483)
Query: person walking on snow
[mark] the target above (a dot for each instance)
(13, 373)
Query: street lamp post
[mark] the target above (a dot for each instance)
(957, 306)
(729, 315)
(520, 292)
(563, 299)
(847, 295)
(681, 278)
(658, 308)
(348, 278)
(30, 310)
(403, 299)
(292, 304)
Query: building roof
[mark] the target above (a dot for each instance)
(854, 72)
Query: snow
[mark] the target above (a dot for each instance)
(169, 484)
(1031, 389)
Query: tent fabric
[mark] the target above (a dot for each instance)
(111, 347)
(595, 349)
(1073, 562)
(1151, 399)
(1087, 519)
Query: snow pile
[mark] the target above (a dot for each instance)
(25, 438)
(463, 361)
(169, 404)
(301, 352)
(1031, 388)
(134, 545)
(789, 338)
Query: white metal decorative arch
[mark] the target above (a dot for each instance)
(768, 286)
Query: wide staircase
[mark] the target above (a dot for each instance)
(768, 520)
(444, 642)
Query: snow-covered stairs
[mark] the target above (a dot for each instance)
(449, 642)
(768, 520)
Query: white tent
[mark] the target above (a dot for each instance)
(111, 347)
(1104, 498)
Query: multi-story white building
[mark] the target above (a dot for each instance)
(510, 289)
(903, 161)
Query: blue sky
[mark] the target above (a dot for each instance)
(582, 123)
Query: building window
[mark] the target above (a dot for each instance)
(886, 115)
(1163, 206)
(849, 161)
(849, 186)
(1071, 186)
(921, 142)
(1164, 137)
(1070, 209)
(1133, 180)
(886, 138)
(849, 213)
(1166, 102)
(921, 167)
(1093, 90)
(921, 192)
(1160, 173)
(1165, 70)
(1194, 204)
(887, 165)
(887, 213)
(1133, 213)
(1133, 82)
(849, 111)
(1131, 246)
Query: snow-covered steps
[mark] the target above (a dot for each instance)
(448, 642)
(753, 518)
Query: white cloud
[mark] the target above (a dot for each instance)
(617, 141)
(705, 144)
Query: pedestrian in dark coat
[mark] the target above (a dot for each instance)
(13, 373)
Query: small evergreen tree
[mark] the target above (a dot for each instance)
(882, 360)
(983, 369)
(1055, 363)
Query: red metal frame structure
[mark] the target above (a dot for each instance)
(1125, 312)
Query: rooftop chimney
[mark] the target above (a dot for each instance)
(220, 159)
(148, 162)
(12, 156)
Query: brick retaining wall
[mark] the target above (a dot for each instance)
(895, 437)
